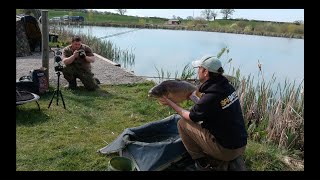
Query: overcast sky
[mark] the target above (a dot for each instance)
(281, 15)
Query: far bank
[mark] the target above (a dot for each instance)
(238, 26)
(234, 28)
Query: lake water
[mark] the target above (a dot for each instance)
(171, 50)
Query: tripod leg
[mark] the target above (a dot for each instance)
(62, 99)
(38, 105)
(58, 97)
(52, 99)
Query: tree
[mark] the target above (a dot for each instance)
(122, 11)
(298, 22)
(199, 21)
(227, 13)
(90, 15)
(189, 18)
(35, 12)
(179, 18)
(173, 17)
(84, 10)
(207, 14)
(214, 14)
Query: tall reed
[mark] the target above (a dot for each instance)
(273, 115)
(187, 73)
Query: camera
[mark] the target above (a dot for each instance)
(82, 53)
(58, 65)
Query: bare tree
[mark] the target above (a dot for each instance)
(122, 11)
(227, 13)
(207, 14)
(214, 14)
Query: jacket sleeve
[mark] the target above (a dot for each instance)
(208, 104)
(66, 52)
(88, 51)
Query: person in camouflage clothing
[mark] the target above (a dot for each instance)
(78, 64)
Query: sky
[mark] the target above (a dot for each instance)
(279, 15)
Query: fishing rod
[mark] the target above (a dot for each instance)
(103, 37)
(158, 77)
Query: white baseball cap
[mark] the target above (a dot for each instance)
(209, 62)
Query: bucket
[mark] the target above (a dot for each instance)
(120, 163)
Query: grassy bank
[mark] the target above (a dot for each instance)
(59, 139)
(239, 26)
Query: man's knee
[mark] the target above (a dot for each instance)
(68, 73)
(90, 84)
(181, 123)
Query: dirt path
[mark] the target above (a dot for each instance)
(102, 68)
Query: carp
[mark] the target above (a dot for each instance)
(176, 90)
(179, 90)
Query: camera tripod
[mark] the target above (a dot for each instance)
(57, 92)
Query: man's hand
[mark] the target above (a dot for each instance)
(76, 53)
(182, 112)
(194, 97)
(70, 59)
(163, 100)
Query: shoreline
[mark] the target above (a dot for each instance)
(185, 28)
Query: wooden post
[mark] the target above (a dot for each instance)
(45, 42)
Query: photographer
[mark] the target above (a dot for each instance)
(78, 58)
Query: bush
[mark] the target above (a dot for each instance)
(234, 26)
(270, 27)
(299, 29)
(248, 28)
(199, 20)
(283, 29)
(241, 24)
(142, 22)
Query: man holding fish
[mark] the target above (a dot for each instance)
(214, 127)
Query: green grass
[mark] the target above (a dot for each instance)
(263, 157)
(63, 140)
(110, 17)
(59, 139)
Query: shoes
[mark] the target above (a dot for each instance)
(97, 80)
(202, 164)
(210, 164)
(237, 164)
(72, 85)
